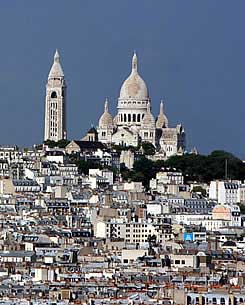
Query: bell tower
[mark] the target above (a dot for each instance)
(55, 105)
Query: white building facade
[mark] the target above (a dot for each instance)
(224, 192)
(134, 122)
(55, 106)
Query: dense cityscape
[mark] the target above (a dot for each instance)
(122, 215)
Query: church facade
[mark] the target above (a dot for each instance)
(134, 123)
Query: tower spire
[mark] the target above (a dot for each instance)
(134, 62)
(56, 56)
(106, 105)
(56, 69)
(161, 107)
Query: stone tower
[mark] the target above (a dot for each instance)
(55, 106)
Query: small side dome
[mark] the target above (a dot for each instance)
(106, 120)
(134, 86)
(162, 121)
(222, 212)
(148, 120)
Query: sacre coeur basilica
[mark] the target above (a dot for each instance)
(133, 124)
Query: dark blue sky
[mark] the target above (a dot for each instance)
(191, 54)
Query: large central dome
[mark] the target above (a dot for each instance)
(134, 86)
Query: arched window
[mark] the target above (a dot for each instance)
(129, 117)
(138, 117)
(125, 117)
(121, 117)
(53, 94)
(222, 301)
(214, 301)
(134, 117)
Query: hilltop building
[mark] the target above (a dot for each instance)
(134, 123)
(55, 107)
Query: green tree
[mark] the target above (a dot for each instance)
(84, 166)
(148, 148)
(206, 168)
(199, 189)
(60, 144)
(143, 171)
(198, 168)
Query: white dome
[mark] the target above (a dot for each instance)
(106, 120)
(134, 86)
(148, 120)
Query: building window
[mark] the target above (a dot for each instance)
(138, 117)
(134, 117)
(125, 117)
(222, 301)
(54, 94)
(129, 117)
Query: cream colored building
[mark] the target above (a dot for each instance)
(55, 107)
(134, 123)
(7, 186)
(225, 192)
